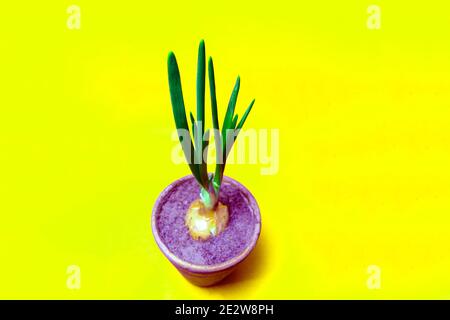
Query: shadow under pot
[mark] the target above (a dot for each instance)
(205, 262)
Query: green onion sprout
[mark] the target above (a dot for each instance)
(195, 148)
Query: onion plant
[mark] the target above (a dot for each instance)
(195, 145)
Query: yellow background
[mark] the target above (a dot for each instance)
(364, 120)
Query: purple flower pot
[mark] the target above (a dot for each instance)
(205, 262)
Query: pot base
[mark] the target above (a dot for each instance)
(207, 262)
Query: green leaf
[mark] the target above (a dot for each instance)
(233, 123)
(194, 129)
(205, 151)
(231, 105)
(200, 129)
(203, 167)
(231, 137)
(227, 122)
(201, 85)
(217, 136)
(244, 117)
(212, 89)
(179, 112)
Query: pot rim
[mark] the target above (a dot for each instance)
(197, 268)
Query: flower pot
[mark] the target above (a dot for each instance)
(205, 262)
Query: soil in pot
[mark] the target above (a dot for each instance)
(170, 223)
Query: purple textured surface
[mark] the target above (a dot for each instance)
(230, 243)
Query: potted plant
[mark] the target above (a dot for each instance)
(205, 224)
